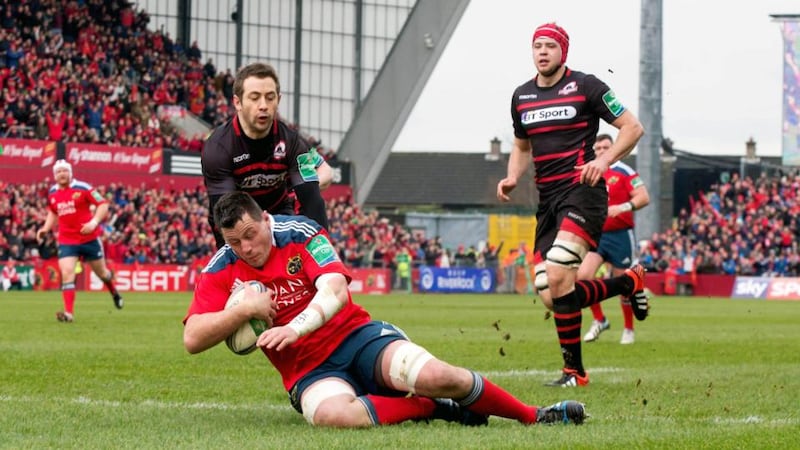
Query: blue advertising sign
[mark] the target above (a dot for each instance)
(750, 287)
(456, 280)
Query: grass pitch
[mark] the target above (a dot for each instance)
(703, 373)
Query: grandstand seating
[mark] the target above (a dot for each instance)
(92, 72)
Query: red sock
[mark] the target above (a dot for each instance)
(389, 410)
(68, 294)
(111, 288)
(492, 400)
(627, 314)
(597, 312)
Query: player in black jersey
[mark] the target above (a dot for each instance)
(258, 153)
(556, 117)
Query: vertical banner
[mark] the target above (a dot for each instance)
(790, 29)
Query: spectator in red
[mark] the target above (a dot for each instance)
(56, 123)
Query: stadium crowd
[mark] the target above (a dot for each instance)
(91, 71)
(741, 227)
(153, 226)
(744, 227)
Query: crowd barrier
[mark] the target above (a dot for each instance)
(44, 275)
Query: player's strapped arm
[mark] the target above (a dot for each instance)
(639, 197)
(99, 214)
(330, 298)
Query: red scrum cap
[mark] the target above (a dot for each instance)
(558, 34)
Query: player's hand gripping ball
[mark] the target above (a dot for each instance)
(243, 340)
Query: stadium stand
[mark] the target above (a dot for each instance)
(742, 227)
(91, 71)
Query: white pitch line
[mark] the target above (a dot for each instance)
(158, 404)
(540, 372)
(152, 404)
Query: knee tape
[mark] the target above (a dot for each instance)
(541, 276)
(406, 365)
(321, 391)
(566, 254)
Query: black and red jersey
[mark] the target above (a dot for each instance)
(266, 168)
(561, 123)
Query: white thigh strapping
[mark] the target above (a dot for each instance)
(321, 391)
(406, 365)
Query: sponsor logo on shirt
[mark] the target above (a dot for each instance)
(280, 150)
(551, 113)
(294, 265)
(240, 158)
(261, 180)
(321, 250)
(308, 166)
(65, 208)
(527, 96)
(613, 105)
(571, 87)
(288, 291)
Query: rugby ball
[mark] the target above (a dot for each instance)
(243, 340)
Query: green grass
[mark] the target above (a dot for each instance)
(704, 373)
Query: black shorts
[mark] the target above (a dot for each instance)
(89, 251)
(581, 210)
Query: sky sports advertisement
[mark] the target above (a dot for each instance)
(456, 280)
(767, 288)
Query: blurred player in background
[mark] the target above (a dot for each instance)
(70, 204)
(556, 117)
(258, 153)
(626, 193)
(340, 367)
(10, 278)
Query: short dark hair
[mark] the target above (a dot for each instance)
(230, 208)
(258, 70)
(604, 137)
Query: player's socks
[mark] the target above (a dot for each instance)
(68, 295)
(111, 288)
(597, 312)
(568, 316)
(488, 399)
(390, 410)
(590, 292)
(109, 282)
(627, 314)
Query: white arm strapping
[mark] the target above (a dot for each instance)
(326, 301)
(627, 206)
